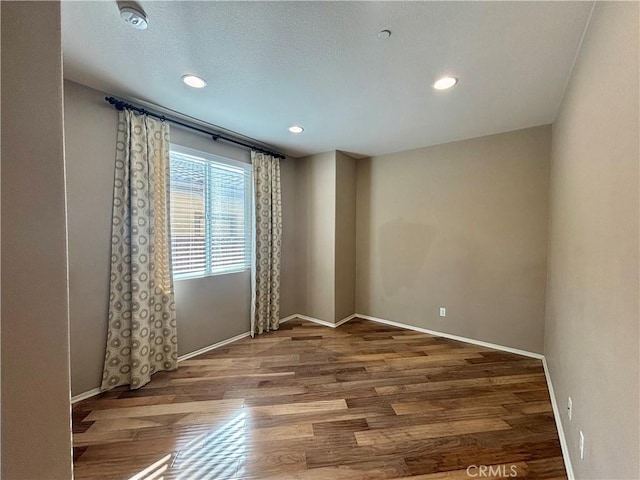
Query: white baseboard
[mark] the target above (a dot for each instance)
(97, 391)
(88, 394)
(450, 336)
(556, 415)
(480, 343)
(318, 321)
(195, 353)
(345, 320)
(290, 317)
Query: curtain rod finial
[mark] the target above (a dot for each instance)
(118, 104)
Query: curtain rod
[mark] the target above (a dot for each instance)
(121, 105)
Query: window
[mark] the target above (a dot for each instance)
(210, 214)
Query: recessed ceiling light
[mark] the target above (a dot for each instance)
(384, 34)
(194, 81)
(296, 129)
(445, 82)
(134, 17)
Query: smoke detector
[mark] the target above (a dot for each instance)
(134, 17)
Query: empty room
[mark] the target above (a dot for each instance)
(359, 240)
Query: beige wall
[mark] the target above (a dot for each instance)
(325, 240)
(36, 437)
(209, 309)
(0, 243)
(289, 274)
(90, 154)
(591, 335)
(315, 237)
(462, 226)
(345, 240)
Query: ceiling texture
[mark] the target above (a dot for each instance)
(271, 65)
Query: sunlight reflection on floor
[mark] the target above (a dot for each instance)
(214, 455)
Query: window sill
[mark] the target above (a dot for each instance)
(207, 275)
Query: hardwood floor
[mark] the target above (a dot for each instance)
(363, 401)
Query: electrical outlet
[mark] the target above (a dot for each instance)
(443, 312)
(569, 406)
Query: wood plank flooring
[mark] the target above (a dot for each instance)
(363, 401)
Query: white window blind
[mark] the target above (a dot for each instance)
(210, 214)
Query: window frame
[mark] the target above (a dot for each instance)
(223, 162)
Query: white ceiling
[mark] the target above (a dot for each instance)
(320, 65)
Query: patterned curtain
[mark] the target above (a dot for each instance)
(141, 336)
(267, 234)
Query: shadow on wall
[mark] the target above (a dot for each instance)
(400, 266)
